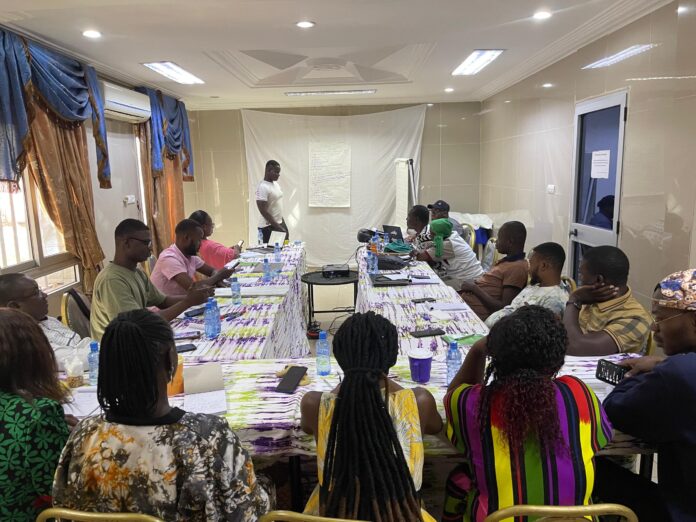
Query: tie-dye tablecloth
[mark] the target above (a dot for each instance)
(268, 422)
(269, 327)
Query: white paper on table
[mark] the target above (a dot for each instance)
(223, 292)
(421, 281)
(265, 291)
(246, 281)
(203, 378)
(600, 164)
(84, 403)
(396, 277)
(250, 255)
(449, 307)
(213, 402)
(440, 315)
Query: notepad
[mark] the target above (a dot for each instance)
(265, 291)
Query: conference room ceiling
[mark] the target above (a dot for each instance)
(250, 52)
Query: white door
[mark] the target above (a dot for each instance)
(595, 207)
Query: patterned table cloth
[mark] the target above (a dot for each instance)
(269, 327)
(268, 422)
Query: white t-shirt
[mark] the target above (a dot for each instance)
(270, 191)
(464, 266)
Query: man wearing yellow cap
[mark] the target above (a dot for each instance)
(656, 402)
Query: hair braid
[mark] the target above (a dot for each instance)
(365, 473)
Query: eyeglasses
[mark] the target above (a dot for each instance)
(147, 242)
(657, 322)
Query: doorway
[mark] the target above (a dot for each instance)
(595, 209)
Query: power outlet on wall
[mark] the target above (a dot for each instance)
(550, 189)
(129, 200)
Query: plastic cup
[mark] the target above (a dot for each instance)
(420, 362)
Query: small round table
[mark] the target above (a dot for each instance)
(317, 278)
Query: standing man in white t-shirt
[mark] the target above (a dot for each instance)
(269, 200)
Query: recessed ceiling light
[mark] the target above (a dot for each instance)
(463, 117)
(506, 101)
(330, 93)
(476, 61)
(174, 72)
(305, 24)
(442, 125)
(682, 9)
(430, 104)
(449, 89)
(91, 33)
(547, 85)
(620, 56)
(542, 15)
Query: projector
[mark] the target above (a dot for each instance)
(333, 271)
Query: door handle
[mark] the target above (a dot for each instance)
(573, 232)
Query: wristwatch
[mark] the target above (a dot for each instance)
(575, 304)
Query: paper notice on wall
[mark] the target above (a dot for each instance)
(600, 164)
(329, 174)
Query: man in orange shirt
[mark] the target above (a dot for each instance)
(498, 287)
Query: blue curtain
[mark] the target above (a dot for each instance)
(67, 88)
(170, 131)
(15, 75)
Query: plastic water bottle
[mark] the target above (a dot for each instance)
(276, 253)
(260, 236)
(454, 361)
(93, 361)
(374, 242)
(236, 289)
(323, 354)
(370, 263)
(267, 276)
(211, 319)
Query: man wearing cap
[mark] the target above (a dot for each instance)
(440, 210)
(656, 402)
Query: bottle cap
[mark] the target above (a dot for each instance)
(234, 279)
(454, 344)
(322, 334)
(94, 346)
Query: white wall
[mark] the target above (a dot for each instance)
(109, 210)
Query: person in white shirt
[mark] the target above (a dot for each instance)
(269, 200)
(545, 266)
(21, 292)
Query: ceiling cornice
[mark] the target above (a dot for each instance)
(106, 72)
(612, 19)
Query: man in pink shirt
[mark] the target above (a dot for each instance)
(211, 252)
(177, 265)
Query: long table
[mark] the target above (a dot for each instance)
(269, 327)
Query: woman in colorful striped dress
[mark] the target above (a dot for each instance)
(528, 437)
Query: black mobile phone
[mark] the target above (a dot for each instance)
(190, 334)
(420, 276)
(431, 332)
(182, 348)
(610, 372)
(289, 383)
(194, 312)
(423, 300)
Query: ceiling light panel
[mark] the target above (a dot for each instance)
(91, 33)
(330, 93)
(542, 15)
(174, 72)
(476, 61)
(620, 56)
(305, 24)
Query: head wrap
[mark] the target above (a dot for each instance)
(440, 229)
(679, 290)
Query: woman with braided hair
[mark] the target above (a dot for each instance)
(528, 437)
(144, 456)
(369, 430)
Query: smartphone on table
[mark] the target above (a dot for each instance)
(610, 372)
(291, 379)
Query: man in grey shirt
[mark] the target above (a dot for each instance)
(440, 210)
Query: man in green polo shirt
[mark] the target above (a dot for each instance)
(121, 286)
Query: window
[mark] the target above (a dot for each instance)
(30, 242)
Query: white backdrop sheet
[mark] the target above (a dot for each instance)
(376, 141)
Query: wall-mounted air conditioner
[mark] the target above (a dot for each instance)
(124, 104)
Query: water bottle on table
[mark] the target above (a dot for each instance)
(323, 355)
(212, 319)
(374, 242)
(260, 236)
(93, 362)
(276, 253)
(266, 270)
(454, 361)
(236, 291)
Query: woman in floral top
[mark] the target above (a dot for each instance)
(144, 456)
(33, 429)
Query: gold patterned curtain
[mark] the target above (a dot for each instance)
(59, 166)
(164, 192)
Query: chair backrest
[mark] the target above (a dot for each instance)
(469, 235)
(65, 515)
(569, 284)
(75, 312)
(292, 516)
(490, 255)
(650, 345)
(562, 513)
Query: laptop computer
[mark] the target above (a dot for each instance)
(394, 232)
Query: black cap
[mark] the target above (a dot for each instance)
(440, 205)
